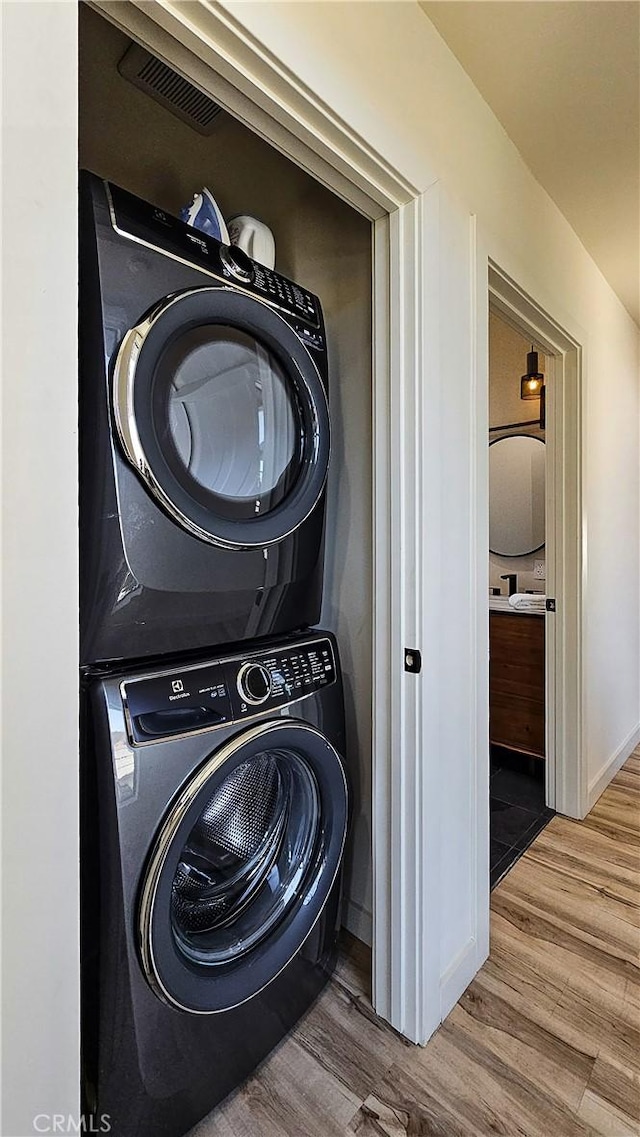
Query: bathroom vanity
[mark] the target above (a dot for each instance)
(517, 680)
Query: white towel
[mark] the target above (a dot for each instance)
(523, 600)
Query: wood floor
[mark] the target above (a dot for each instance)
(544, 1043)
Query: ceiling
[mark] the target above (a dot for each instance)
(563, 78)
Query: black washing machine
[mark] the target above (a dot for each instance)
(214, 820)
(204, 438)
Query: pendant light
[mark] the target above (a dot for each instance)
(532, 383)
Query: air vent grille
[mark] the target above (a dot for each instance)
(164, 85)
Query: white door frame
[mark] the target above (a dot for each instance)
(567, 789)
(430, 732)
(212, 49)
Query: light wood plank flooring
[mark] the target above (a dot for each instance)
(544, 1043)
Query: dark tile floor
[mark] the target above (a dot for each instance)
(518, 810)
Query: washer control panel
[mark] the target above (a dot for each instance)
(299, 671)
(285, 293)
(228, 690)
(137, 219)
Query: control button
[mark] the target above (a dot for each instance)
(254, 683)
(236, 262)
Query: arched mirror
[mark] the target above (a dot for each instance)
(516, 495)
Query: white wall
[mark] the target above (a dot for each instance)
(384, 69)
(40, 1016)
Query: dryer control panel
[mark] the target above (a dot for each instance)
(222, 691)
(145, 223)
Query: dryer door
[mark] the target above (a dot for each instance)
(243, 866)
(222, 411)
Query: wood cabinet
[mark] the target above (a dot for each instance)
(517, 682)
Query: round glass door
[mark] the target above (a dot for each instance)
(230, 420)
(245, 858)
(222, 412)
(243, 866)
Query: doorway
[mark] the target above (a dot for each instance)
(416, 427)
(544, 763)
(146, 149)
(518, 378)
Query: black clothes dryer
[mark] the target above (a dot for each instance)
(204, 438)
(214, 819)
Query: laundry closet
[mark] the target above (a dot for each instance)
(134, 141)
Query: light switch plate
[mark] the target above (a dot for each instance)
(539, 570)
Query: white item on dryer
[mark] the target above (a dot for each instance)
(254, 238)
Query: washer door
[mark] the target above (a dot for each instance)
(221, 410)
(242, 867)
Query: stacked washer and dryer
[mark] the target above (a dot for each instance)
(214, 798)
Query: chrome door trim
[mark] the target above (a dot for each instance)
(124, 411)
(172, 822)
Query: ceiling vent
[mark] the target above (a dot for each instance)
(169, 89)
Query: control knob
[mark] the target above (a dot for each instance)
(237, 262)
(254, 683)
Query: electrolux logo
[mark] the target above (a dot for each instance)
(67, 1123)
(177, 686)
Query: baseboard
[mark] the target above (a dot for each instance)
(458, 976)
(598, 784)
(358, 921)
